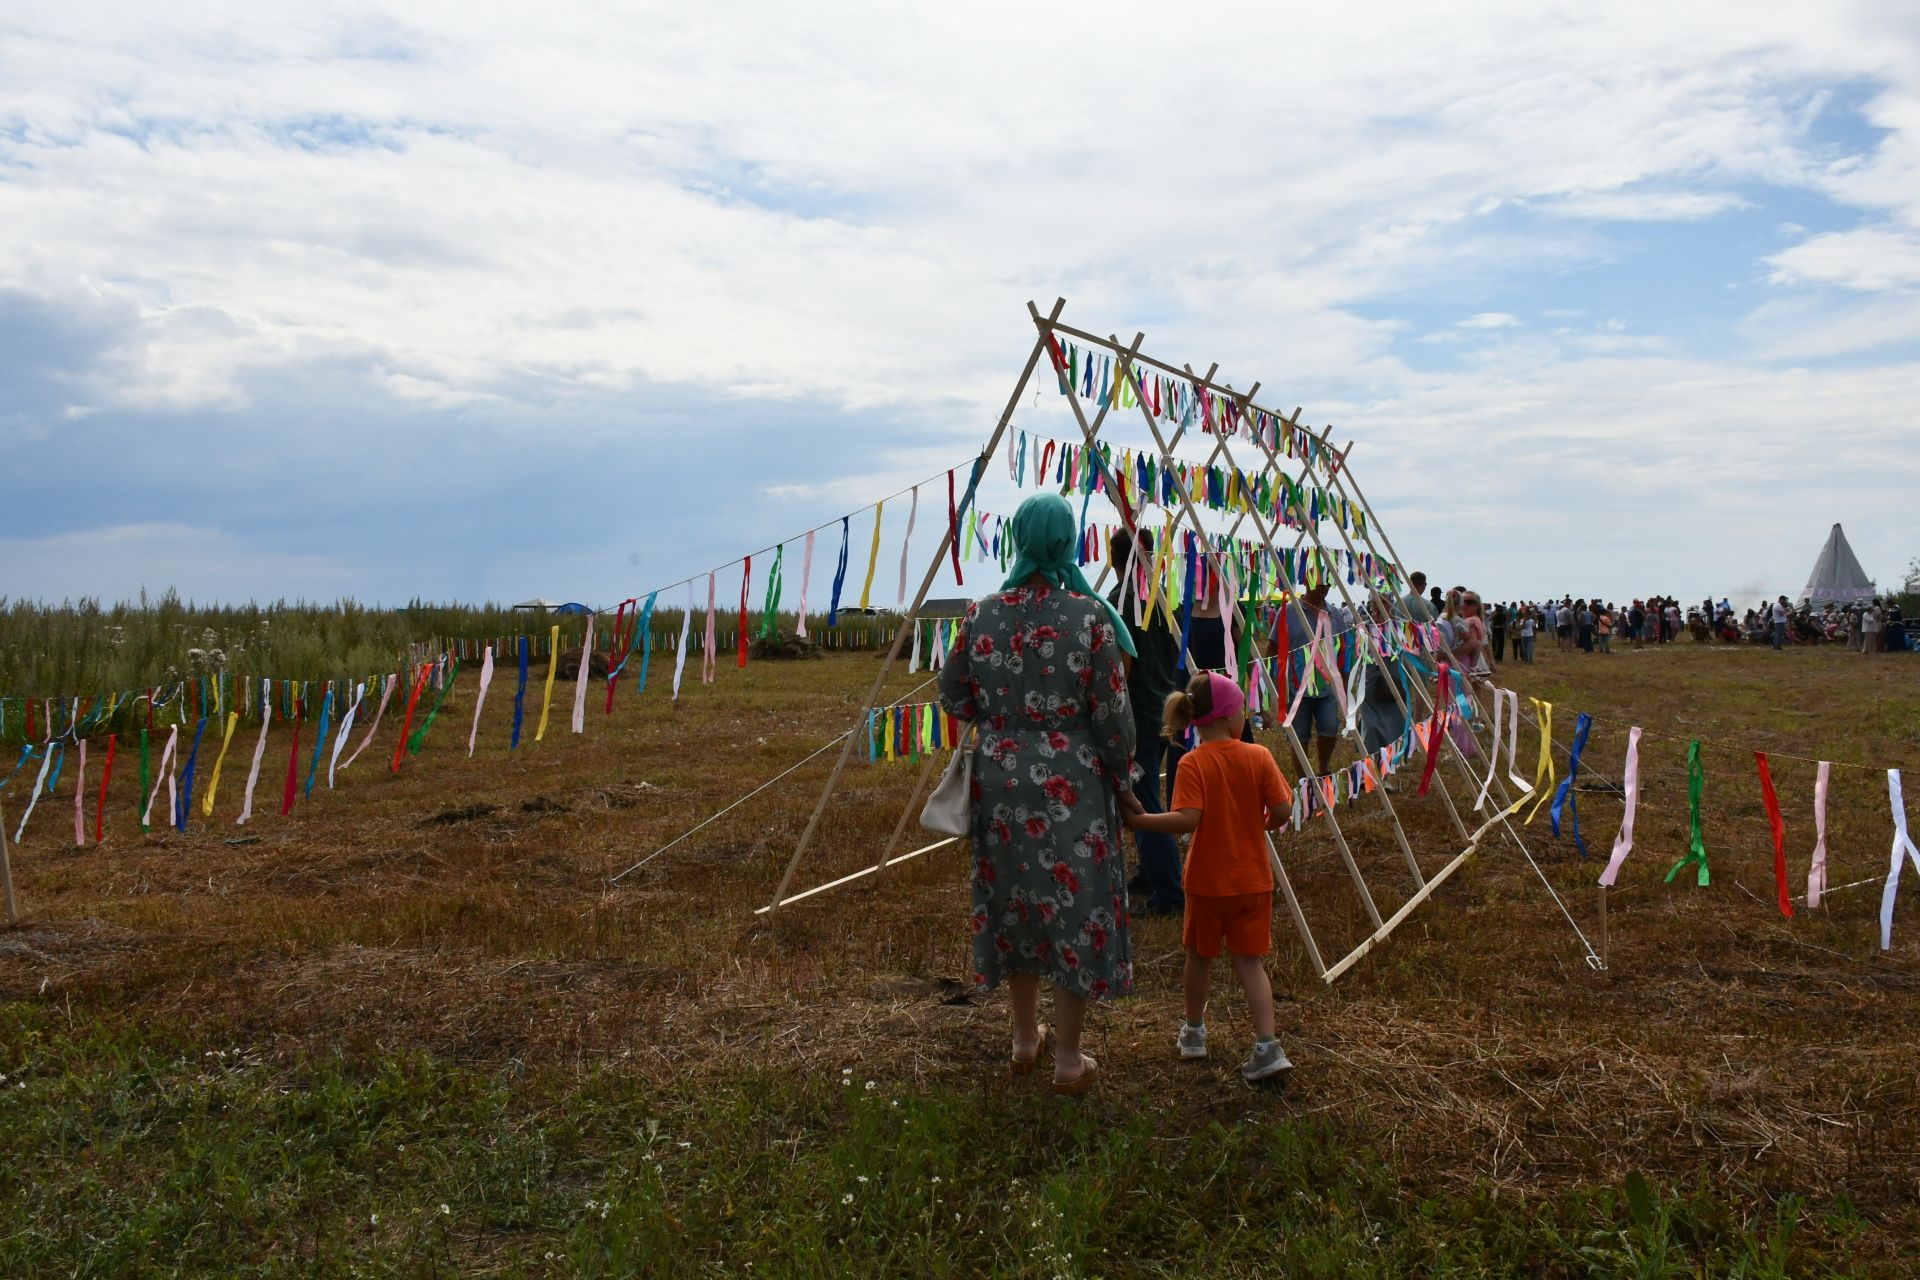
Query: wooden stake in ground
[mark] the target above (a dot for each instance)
(6, 876)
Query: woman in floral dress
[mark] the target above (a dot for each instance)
(1041, 668)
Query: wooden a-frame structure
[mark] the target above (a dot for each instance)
(1324, 466)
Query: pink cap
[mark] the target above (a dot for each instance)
(1225, 696)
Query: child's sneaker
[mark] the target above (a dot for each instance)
(1267, 1060)
(1193, 1041)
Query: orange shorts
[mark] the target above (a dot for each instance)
(1243, 920)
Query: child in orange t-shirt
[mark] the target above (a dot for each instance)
(1227, 796)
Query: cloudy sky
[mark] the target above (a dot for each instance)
(471, 300)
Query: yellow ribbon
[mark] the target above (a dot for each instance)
(553, 661)
(213, 784)
(1545, 711)
(873, 556)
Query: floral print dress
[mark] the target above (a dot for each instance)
(1040, 671)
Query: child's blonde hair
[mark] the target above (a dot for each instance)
(1195, 702)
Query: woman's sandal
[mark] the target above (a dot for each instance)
(1081, 1083)
(1016, 1065)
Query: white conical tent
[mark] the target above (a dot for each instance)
(1837, 577)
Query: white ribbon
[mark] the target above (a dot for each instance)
(1493, 755)
(806, 579)
(913, 663)
(260, 749)
(346, 727)
(166, 760)
(34, 797)
(1513, 742)
(1901, 844)
(1817, 873)
(580, 680)
(686, 623)
(486, 678)
(1623, 843)
(905, 543)
(706, 652)
(379, 711)
(79, 800)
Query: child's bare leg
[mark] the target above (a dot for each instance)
(1194, 980)
(1252, 972)
(1069, 1015)
(1023, 995)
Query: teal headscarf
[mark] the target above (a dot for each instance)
(1045, 539)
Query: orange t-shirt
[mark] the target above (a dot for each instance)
(1234, 785)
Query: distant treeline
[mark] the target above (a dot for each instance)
(84, 647)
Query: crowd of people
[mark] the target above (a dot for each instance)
(1871, 626)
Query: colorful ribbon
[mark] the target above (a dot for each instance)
(546, 700)
(1623, 843)
(1779, 835)
(1817, 873)
(1697, 848)
(1435, 732)
(260, 749)
(519, 697)
(1565, 796)
(799, 631)
(580, 679)
(686, 623)
(1901, 844)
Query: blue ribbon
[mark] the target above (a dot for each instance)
(26, 754)
(520, 696)
(646, 647)
(1565, 796)
(59, 758)
(319, 740)
(840, 574)
(186, 775)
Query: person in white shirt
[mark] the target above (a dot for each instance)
(1870, 628)
(1779, 613)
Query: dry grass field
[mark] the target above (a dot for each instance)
(412, 1029)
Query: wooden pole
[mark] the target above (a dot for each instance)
(6, 875)
(1293, 906)
(913, 802)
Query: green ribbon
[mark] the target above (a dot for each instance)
(1696, 782)
(770, 611)
(453, 673)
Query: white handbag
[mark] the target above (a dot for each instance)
(949, 810)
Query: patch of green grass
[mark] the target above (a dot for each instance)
(123, 1155)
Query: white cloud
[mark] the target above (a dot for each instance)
(1489, 320)
(1872, 259)
(1645, 206)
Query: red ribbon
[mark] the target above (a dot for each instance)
(1437, 730)
(1283, 649)
(293, 762)
(1779, 834)
(746, 576)
(953, 530)
(619, 654)
(1054, 354)
(100, 813)
(413, 701)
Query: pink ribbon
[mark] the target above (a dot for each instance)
(1623, 843)
(1442, 700)
(486, 678)
(381, 710)
(260, 747)
(1817, 873)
